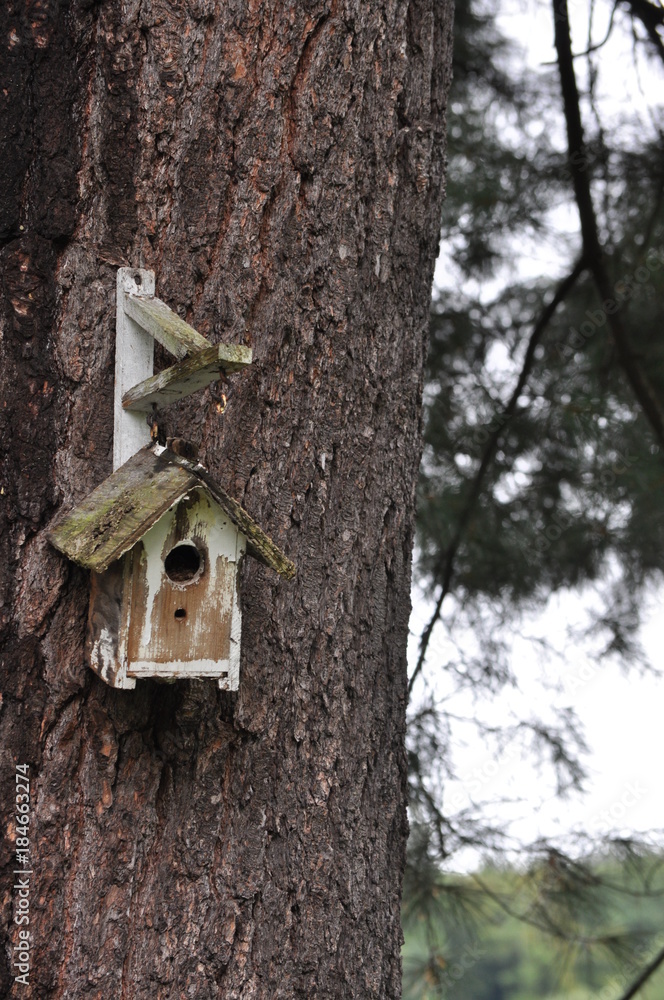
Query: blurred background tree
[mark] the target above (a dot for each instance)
(542, 474)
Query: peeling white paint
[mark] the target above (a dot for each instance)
(204, 523)
(103, 654)
(153, 545)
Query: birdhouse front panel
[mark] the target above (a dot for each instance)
(181, 614)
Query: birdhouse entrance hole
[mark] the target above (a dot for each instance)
(183, 564)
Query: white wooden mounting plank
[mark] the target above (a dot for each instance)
(180, 380)
(232, 682)
(134, 354)
(165, 325)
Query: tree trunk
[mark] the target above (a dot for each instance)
(279, 166)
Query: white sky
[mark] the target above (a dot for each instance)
(622, 715)
(621, 722)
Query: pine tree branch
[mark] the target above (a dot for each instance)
(641, 385)
(644, 976)
(651, 17)
(547, 926)
(597, 45)
(448, 559)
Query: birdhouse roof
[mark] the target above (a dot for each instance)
(118, 513)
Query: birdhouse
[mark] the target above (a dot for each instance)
(163, 541)
(164, 544)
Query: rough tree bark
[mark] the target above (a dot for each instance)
(279, 166)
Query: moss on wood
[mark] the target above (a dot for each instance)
(126, 505)
(195, 372)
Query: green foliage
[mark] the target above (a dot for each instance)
(575, 485)
(503, 943)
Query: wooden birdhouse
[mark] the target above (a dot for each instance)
(164, 544)
(163, 541)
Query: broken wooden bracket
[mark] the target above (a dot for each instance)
(195, 372)
(142, 319)
(163, 324)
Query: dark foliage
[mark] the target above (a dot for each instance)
(542, 470)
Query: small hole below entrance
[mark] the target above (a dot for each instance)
(183, 563)
(180, 613)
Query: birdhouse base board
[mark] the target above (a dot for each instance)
(178, 670)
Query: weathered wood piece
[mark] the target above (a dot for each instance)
(126, 505)
(119, 511)
(165, 326)
(193, 373)
(105, 617)
(134, 353)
